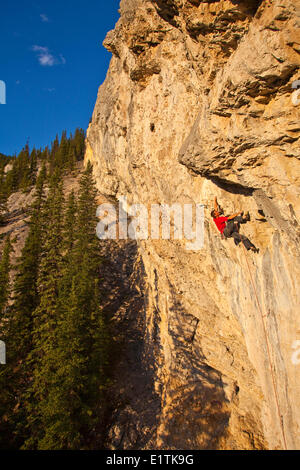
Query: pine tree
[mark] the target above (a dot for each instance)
(19, 325)
(69, 375)
(3, 195)
(78, 142)
(33, 166)
(46, 316)
(71, 159)
(69, 240)
(51, 392)
(70, 223)
(52, 156)
(87, 207)
(83, 336)
(12, 178)
(63, 151)
(23, 163)
(26, 296)
(6, 391)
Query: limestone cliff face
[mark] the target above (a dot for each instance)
(198, 102)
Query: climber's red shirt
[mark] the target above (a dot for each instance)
(221, 223)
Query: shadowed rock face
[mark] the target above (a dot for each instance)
(198, 102)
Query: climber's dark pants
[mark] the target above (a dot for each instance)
(232, 231)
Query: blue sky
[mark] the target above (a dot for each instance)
(52, 61)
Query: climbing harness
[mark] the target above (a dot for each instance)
(269, 354)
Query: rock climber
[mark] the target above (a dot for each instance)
(229, 227)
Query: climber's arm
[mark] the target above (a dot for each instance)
(234, 215)
(216, 204)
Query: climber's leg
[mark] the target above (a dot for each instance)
(234, 225)
(248, 245)
(239, 219)
(237, 238)
(232, 230)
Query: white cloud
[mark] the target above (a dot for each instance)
(45, 58)
(44, 18)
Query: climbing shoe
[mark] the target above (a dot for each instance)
(254, 249)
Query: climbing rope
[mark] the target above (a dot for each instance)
(269, 354)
